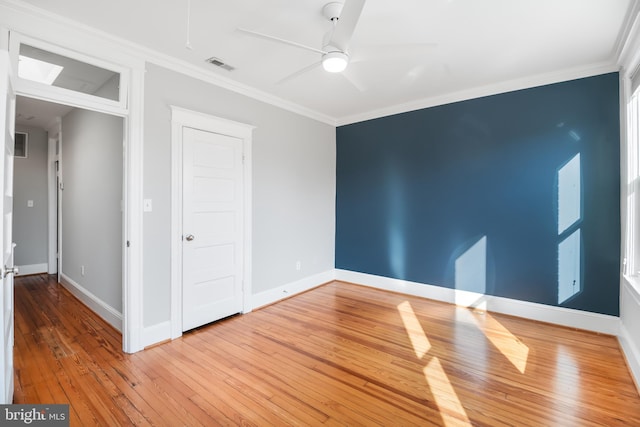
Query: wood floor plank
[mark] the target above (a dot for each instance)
(340, 354)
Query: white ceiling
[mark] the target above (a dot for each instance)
(38, 114)
(405, 53)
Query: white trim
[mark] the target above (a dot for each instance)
(285, 291)
(629, 47)
(247, 274)
(631, 281)
(31, 19)
(25, 270)
(190, 70)
(629, 315)
(180, 118)
(629, 59)
(131, 69)
(101, 308)
(165, 330)
(543, 313)
(481, 91)
(7, 129)
(52, 197)
(59, 213)
(157, 333)
(132, 269)
(631, 353)
(68, 96)
(17, 11)
(176, 229)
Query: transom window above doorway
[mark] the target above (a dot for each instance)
(52, 69)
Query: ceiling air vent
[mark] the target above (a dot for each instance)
(220, 63)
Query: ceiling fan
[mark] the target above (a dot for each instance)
(335, 55)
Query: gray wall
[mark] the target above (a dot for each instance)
(293, 186)
(91, 203)
(30, 183)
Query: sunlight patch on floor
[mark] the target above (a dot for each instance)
(419, 340)
(508, 344)
(451, 410)
(568, 383)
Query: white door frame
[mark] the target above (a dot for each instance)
(7, 129)
(130, 108)
(55, 134)
(181, 118)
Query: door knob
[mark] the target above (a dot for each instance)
(189, 237)
(7, 271)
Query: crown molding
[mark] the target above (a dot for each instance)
(19, 16)
(628, 54)
(199, 73)
(623, 47)
(487, 90)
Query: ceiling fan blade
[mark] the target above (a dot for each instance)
(279, 40)
(298, 73)
(389, 52)
(346, 24)
(354, 80)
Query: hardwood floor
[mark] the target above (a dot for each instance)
(338, 355)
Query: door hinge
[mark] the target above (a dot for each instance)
(128, 243)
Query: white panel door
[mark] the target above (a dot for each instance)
(212, 250)
(7, 120)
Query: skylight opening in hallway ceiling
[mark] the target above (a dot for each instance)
(37, 70)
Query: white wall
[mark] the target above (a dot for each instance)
(293, 186)
(30, 223)
(91, 205)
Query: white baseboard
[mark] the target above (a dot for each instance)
(162, 331)
(631, 354)
(157, 333)
(25, 270)
(102, 309)
(544, 313)
(285, 291)
(629, 337)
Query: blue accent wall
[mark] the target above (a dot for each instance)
(470, 195)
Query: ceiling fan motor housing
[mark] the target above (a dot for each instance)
(332, 11)
(335, 60)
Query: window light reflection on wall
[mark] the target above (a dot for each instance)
(38, 71)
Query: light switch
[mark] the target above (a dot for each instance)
(29, 203)
(147, 206)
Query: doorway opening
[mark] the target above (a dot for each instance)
(111, 84)
(68, 210)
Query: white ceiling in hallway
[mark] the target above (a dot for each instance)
(404, 52)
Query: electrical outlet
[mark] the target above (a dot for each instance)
(298, 265)
(82, 270)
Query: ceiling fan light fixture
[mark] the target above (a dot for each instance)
(335, 62)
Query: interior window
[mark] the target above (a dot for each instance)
(56, 70)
